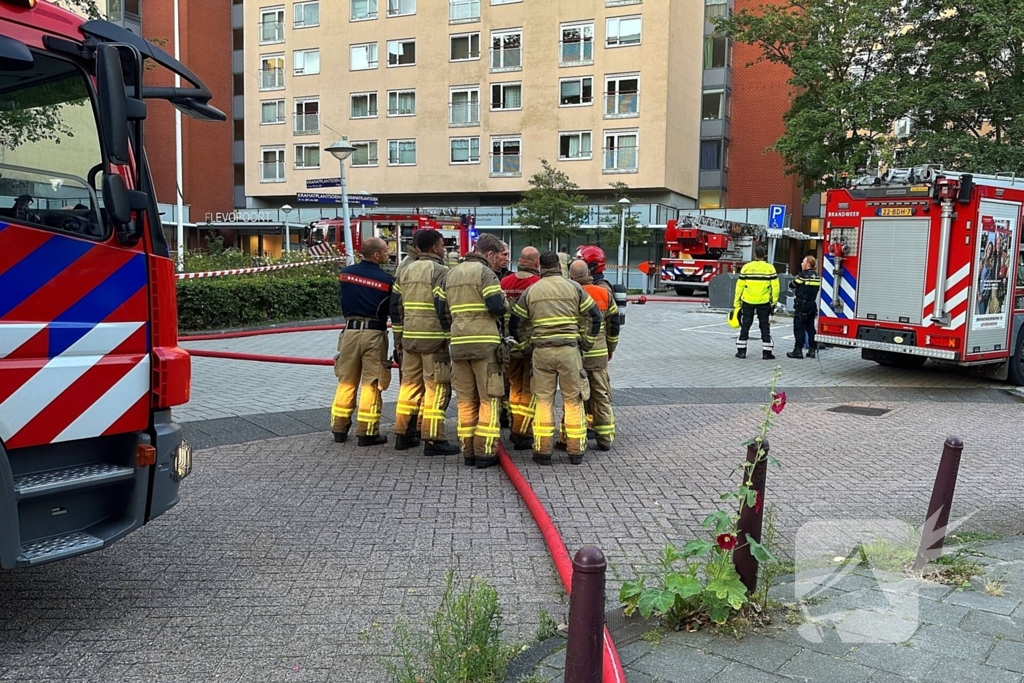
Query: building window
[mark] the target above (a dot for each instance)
(363, 56)
(506, 96)
(401, 152)
(465, 151)
(464, 107)
(716, 8)
(307, 14)
(306, 62)
(399, 8)
(272, 72)
(460, 11)
(716, 52)
(620, 151)
(573, 146)
(504, 2)
(621, 31)
(365, 154)
(272, 25)
(576, 92)
(465, 47)
(363, 9)
(577, 45)
(713, 105)
(506, 157)
(622, 96)
(307, 117)
(507, 50)
(619, 3)
(712, 157)
(710, 199)
(272, 111)
(307, 156)
(401, 52)
(272, 165)
(364, 105)
(402, 103)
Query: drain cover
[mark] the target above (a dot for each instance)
(860, 410)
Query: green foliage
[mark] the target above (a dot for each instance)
(551, 208)
(247, 300)
(88, 8)
(547, 628)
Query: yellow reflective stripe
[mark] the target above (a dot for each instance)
(542, 432)
(586, 305)
(418, 306)
(520, 311)
(613, 340)
(490, 290)
(396, 328)
(368, 417)
(604, 429)
(466, 432)
(596, 353)
(479, 339)
(341, 412)
(563, 320)
(466, 308)
(426, 335)
(397, 288)
(557, 336)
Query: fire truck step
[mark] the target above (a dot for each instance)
(66, 545)
(42, 483)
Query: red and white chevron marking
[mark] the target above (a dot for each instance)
(260, 269)
(957, 288)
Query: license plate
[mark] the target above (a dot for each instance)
(896, 212)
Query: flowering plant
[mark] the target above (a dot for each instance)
(700, 580)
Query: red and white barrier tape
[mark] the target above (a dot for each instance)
(260, 269)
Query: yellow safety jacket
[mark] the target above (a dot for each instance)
(555, 305)
(477, 305)
(758, 284)
(416, 296)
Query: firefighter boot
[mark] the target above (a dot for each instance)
(431, 448)
(741, 353)
(340, 437)
(799, 354)
(542, 459)
(520, 442)
(484, 463)
(767, 355)
(404, 442)
(375, 440)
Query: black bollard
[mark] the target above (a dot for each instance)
(750, 520)
(583, 655)
(933, 534)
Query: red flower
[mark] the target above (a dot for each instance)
(758, 502)
(778, 402)
(726, 541)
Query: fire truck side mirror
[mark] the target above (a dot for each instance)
(15, 55)
(113, 103)
(116, 201)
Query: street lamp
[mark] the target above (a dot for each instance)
(287, 231)
(624, 207)
(342, 150)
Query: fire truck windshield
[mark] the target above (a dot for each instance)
(49, 148)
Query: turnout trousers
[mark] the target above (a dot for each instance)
(479, 386)
(522, 403)
(599, 405)
(558, 367)
(360, 368)
(763, 312)
(426, 382)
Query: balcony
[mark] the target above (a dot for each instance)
(463, 114)
(506, 166)
(463, 11)
(714, 179)
(576, 53)
(306, 124)
(620, 160)
(271, 32)
(506, 59)
(622, 105)
(714, 128)
(271, 79)
(271, 171)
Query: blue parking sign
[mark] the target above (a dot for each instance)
(776, 220)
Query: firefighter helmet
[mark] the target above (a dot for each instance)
(593, 257)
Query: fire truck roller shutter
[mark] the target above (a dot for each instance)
(893, 264)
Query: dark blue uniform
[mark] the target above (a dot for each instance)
(365, 291)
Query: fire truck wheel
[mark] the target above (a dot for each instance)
(1016, 374)
(684, 291)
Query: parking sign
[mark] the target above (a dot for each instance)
(776, 220)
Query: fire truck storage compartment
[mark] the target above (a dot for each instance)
(989, 303)
(893, 260)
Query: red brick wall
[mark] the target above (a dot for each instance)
(205, 28)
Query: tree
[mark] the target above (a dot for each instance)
(607, 237)
(87, 8)
(552, 208)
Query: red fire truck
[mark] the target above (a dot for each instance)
(89, 359)
(696, 253)
(397, 229)
(925, 263)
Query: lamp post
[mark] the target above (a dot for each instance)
(286, 209)
(624, 207)
(342, 150)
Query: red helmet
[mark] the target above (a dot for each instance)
(593, 256)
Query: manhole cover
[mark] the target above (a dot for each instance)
(860, 410)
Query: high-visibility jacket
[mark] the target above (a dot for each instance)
(608, 337)
(477, 305)
(555, 305)
(419, 319)
(758, 284)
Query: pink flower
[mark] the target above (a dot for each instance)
(778, 402)
(758, 502)
(726, 541)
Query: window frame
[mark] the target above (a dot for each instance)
(376, 159)
(499, 33)
(618, 35)
(469, 37)
(580, 133)
(398, 143)
(282, 69)
(503, 85)
(469, 139)
(282, 107)
(376, 61)
(463, 20)
(367, 94)
(370, 16)
(300, 102)
(617, 78)
(295, 62)
(301, 4)
(398, 12)
(501, 139)
(581, 79)
(401, 41)
(618, 133)
(282, 161)
(568, 25)
(274, 9)
(722, 112)
(397, 92)
(305, 145)
(451, 105)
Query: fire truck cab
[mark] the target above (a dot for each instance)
(696, 254)
(397, 229)
(89, 359)
(925, 263)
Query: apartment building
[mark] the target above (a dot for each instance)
(453, 103)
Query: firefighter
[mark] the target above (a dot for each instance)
(420, 323)
(477, 306)
(596, 262)
(805, 288)
(554, 307)
(520, 399)
(362, 361)
(411, 255)
(563, 260)
(595, 361)
(757, 290)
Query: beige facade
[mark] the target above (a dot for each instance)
(465, 97)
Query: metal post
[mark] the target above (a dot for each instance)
(350, 257)
(622, 244)
(750, 519)
(934, 532)
(584, 660)
(179, 179)
(939, 315)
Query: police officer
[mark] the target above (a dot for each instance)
(757, 290)
(477, 306)
(362, 361)
(595, 361)
(422, 328)
(520, 398)
(554, 307)
(805, 288)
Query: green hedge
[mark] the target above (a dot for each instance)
(244, 301)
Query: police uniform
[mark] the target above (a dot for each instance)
(554, 306)
(757, 290)
(521, 401)
(362, 362)
(805, 288)
(595, 362)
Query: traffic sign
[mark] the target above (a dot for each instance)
(776, 220)
(325, 198)
(318, 183)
